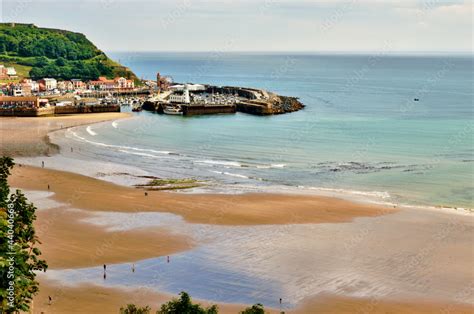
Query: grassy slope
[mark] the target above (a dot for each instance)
(23, 65)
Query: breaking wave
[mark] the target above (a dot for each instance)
(89, 130)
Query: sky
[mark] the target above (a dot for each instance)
(257, 25)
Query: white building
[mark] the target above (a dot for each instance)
(123, 83)
(34, 86)
(11, 71)
(49, 83)
(181, 98)
(191, 87)
(17, 91)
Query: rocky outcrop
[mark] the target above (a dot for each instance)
(275, 104)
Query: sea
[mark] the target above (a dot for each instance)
(394, 128)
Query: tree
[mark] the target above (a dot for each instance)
(41, 61)
(60, 62)
(6, 164)
(254, 309)
(184, 305)
(133, 309)
(19, 255)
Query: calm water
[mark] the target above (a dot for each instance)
(361, 129)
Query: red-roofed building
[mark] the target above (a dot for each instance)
(105, 84)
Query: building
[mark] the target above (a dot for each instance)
(30, 85)
(17, 90)
(3, 72)
(65, 86)
(181, 97)
(123, 83)
(11, 72)
(102, 84)
(108, 85)
(190, 87)
(7, 72)
(78, 84)
(48, 84)
(163, 82)
(7, 102)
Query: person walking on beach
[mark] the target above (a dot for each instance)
(48, 187)
(133, 267)
(49, 300)
(42, 164)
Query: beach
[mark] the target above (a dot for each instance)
(329, 254)
(27, 136)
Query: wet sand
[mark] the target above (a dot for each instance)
(69, 243)
(244, 209)
(28, 136)
(445, 263)
(94, 299)
(91, 298)
(333, 304)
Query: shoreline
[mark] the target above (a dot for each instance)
(66, 122)
(136, 175)
(221, 209)
(31, 134)
(73, 191)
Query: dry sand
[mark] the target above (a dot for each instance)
(28, 136)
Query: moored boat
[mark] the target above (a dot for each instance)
(173, 110)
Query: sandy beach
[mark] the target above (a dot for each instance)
(27, 136)
(355, 229)
(89, 298)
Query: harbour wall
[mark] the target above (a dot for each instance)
(200, 109)
(33, 112)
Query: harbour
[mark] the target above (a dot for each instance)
(198, 99)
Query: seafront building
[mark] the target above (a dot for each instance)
(30, 102)
(45, 86)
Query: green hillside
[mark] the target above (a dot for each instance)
(44, 52)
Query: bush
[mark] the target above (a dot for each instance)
(184, 305)
(254, 309)
(133, 309)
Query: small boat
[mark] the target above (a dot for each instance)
(416, 99)
(173, 110)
